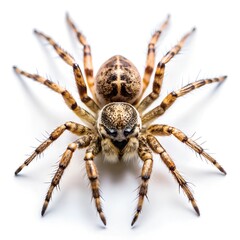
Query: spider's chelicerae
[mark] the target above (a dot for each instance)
(119, 128)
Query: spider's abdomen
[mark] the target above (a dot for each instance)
(118, 80)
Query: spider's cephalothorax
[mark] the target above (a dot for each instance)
(118, 80)
(119, 125)
(119, 128)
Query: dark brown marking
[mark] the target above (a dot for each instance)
(74, 106)
(89, 72)
(124, 91)
(148, 69)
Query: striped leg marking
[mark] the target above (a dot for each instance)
(82, 142)
(165, 130)
(87, 56)
(146, 156)
(82, 88)
(159, 74)
(173, 96)
(75, 128)
(150, 61)
(68, 98)
(93, 176)
(157, 148)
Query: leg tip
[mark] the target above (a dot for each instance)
(194, 29)
(35, 31)
(42, 213)
(224, 77)
(103, 219)
(19, 169)
(15, 69)
(67, 16)
(134, 219)
(197, 210)
(44, 208)
(223, 171)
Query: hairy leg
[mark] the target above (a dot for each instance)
(150, 61)
(159, 74)
(146, 156)
(92, 173)
(75, 128)
(165, 130)
(173, 96)
(82, 88)
(157, 148)
(68, 98)
(87, 56)
(82, 142)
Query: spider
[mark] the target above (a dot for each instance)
(118, 127)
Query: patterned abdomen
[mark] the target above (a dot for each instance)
(118, 80)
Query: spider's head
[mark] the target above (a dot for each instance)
(119, 121)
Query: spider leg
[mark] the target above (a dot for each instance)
(75, 128)
(88, 66)
(68, 98)
(165, 130)
(150, 61)
(159, 74)
(157, 148)
(82, 142)
(82, 88)
(173, 96)
(146, 156)
(92, 173)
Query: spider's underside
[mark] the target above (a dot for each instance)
(118, 128)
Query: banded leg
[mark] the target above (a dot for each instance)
(159, 74)
(157, 148)
(165, 130)
(82, 88)
(75, 128)
(92, 173)
(172, 97)
(68, 98)
(82, 142)
(150, 61)
(88, 66)
(146, 156)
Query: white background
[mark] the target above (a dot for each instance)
(29, 110)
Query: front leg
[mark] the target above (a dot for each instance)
(87, 55)
(92, 173)
(67, 58)
(82, 142)
(159, 73)
(67, 97)
(146, 156)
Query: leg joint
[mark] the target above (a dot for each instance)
(145, 177)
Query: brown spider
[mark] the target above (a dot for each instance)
(119, 129)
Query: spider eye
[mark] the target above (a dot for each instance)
(128, 131)
(111, 131)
